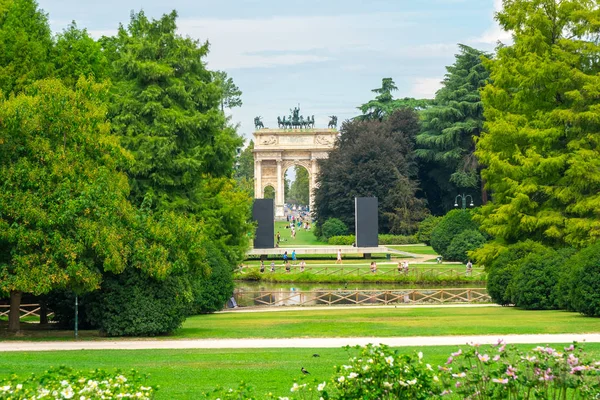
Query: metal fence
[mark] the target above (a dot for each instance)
(246, 298)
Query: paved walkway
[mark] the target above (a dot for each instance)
(292, 343)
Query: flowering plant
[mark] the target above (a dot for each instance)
(501, 372)
(65, 383)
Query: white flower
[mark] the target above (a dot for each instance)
(43, 393)
(341, 379)
(64, 383)
(402, 383)
(321, 386)
(294, 388)
(389, 360)
(412, 381)
(352, 375)
(144, 388)
(5, 388)
(435, 378)
(121, 379)
(370, 361)
(82, 398)
(19, 386)
(429, 367)
(366, 368)
(388, 385)
(346, 367)
(284, 398)
(420, 355)
(67, 393)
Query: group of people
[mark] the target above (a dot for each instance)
(403, 267)
(286, 263)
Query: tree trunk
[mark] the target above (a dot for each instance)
(14, 315)
(43, 311)
(484, 193)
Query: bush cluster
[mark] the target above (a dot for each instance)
(473, 372)
(455, 235)
(66, 383)
(426, 227)
(384, 239)
(333, 227)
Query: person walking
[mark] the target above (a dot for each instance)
(272, 266)
(262, 266)
(278, 238)
(339, 257)
(469, 267)
(293, 256)
(285, 257)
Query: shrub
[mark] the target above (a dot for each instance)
(397, 239)
(347, 240)
(134, 304)
(426, 227)
(462, 244)
(333, 227)
(66, 383)
(501, 270)
(211, 293)
(584, 290)
(501, 372)
(534, 285)
(452, 224)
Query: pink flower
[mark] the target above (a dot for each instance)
(501, 349)
(570, 348)
(500, 342)
(579, 368)
(472, 344)
(496, 358)
(449, 360)
(483, 358)
(510, 371)
(458, 353)
(458, 384)
(572, 360)
(445, 392)
(502, 381)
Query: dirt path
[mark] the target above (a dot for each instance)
(418, 341)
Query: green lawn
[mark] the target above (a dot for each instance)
(303, 238)
(185, 374)
(365, 321)
(414, 248)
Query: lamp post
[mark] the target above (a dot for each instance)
(464, 201)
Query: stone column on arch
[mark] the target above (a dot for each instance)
(279, 195)
(314, 170)
(258, 190)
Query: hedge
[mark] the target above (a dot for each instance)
(348, 240)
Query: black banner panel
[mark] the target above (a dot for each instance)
(367, 222)
(263, 213)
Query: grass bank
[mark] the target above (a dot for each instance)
(186, 374)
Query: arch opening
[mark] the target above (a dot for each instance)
(297, 186)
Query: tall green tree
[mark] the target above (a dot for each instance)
(166, 109)
(372, 158)
(299, 187)
(76, 54)
(541, 148)
(230, 93)
(244, 172)
(446, 142)
(64, 214)
(25, 45)
(384, 103)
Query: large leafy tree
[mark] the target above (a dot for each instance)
(446, 142)
(25, 45)
(372, 158)
(298, 193)
(384, 104)
(244, 171)
(166, 109)
(230, 93)
(76, 54)
(542, 145)
(64, 214)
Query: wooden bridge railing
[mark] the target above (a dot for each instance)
(418, 272)
(25, 310)
(246, 298)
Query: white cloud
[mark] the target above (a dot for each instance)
(267, 42)
(494, 33)
(425, 87)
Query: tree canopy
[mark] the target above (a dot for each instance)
(384, 103)
(372, 158)
(448, 129)
(541, 148)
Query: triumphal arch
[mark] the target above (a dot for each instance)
(296, 141)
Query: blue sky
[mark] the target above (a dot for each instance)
(325, 55)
